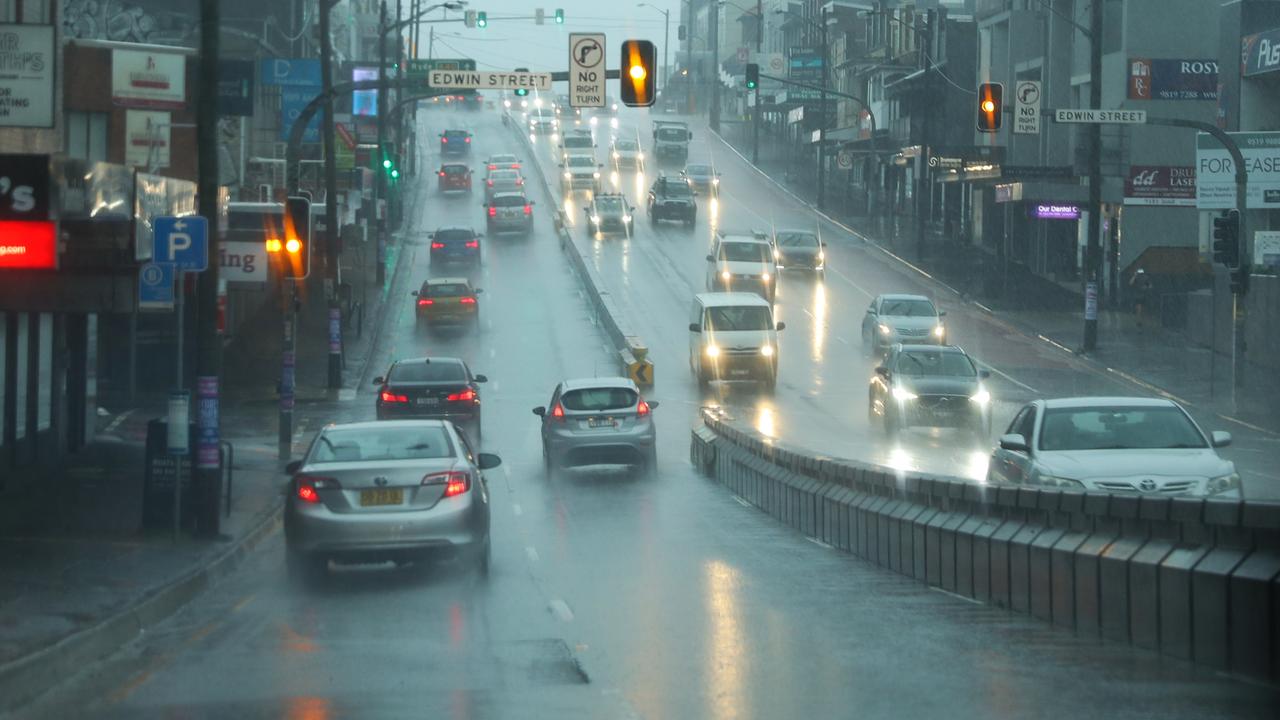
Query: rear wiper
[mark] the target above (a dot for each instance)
(419, 446)
(1177, 445)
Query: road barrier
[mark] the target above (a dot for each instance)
(1192, 578)
(633, 358)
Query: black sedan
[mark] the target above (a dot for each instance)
(609, 213)
(928, 385)
(431, 387)
(455, 245)
(799, 250)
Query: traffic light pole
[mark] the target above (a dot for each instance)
(713, 118)
(288, 364)
(332, 271)
(755, 124)
(822, 118)
(1093, 248)
(379, 172)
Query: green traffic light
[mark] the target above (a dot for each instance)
(482, 19)
(395, 174)
(559, 16)
(386, 164)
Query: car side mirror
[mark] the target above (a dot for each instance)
(1014, 442)
(481, 378)
(1220, 438)
(413, 293)
(882, 371)
(695, 327)
(984, 374)
(711, 258)
(487, 461)
(293, 467)
(823, 243)
(379, 380)
(477, 291)
(431, 236)
(781, 326)
(533, 202)
(942, 314)
(540, 411)
(653, 404)
(484, 205)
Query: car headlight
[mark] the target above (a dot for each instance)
(626, 218)
(506, 103)
(982, 397)
(639, 156)
(713, 350)
(595, 175)
(725, 275)
(568, 176)
(1061, 482)
(765, 277)
(594, 120)
(715, 181)
(885, 329)
(595, 219)
(615, 106)
(1223, 484)
(766, 350)
(939, 332)
(616, 156)
(777, 254)
(903, 394)
(822, 255)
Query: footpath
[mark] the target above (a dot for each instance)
(1161, 359)
(79, 578)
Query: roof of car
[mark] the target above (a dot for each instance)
(1108, 401)
(502, 157)
(372, 424)
(891, 296)
(600, 382)
(447, 281)
(721, 299)
(744, 239)
(464, 166)
(779, 231)
(456, 131)
(922, 347)
(455, 229)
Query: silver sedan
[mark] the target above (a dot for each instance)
(400, 490)
(598, 421)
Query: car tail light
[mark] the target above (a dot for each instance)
(493, 211)
(444, 141)
(473, 243)
(557, 412)
(515, 166)
(441, 173)
(528, 209)
(467, 395)
(468, 301)
(389, 397)
(437, 246)
(642, 409)
(455, 482)
(490, 183)
(493, 167)
(309, 485)
(425, 301)
(520, 181)
(468, 140)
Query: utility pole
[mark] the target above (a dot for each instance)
(688, 61)
(1093, 250)
(714, 117)
(207, 483)
(924, 37)
(380, 172)
(822, 116)
(332, 271)
(755, 120)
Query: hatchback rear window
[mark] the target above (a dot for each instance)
(451, 134)
(427, 372)
(593, 399)
(381, 443)
(447, 290)
(509, 201)
(454, 236)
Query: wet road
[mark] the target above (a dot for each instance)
(613, 596)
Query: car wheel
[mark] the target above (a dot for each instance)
(890, 425)
(304, 568)
(650, 468)
(771, 381)
(547, 466)
(484, 555)
(704, 381)
(868, 349)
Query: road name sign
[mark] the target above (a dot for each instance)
(183, 242)
(1096, 116)
(1026, 110)
(586, 70)
(486, 80)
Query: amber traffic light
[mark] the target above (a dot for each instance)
(990, 107)
(292, 253)
(638, 79)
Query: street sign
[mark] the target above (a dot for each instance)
(744, 53)
(485, 80)
(182, 241)
(844, 160)
(775, 64)
(155, 287)
(1096, 116)
(586, 70)
(1026, 109)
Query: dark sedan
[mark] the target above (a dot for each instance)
(455, 245)
(431, 387)
(799, 250)
(454, 176)
(928, 385)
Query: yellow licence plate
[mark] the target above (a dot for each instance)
(382, 496)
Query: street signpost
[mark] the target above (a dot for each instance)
(1105, 117)
(182, 242)
(155, 287)
(1026, 113)
(844, 160)
(486, 80)
(586, 70)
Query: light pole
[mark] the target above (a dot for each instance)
(666, 40)
(714, 115)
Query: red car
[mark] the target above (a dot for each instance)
(455, 176)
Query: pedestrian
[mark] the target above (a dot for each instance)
(1143, 295)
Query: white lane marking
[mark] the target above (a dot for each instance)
(531, 552)
(489, 324)
(517, 510)
(493, 352)
(119, 419)
(1008, 377)
(841, 339)
(346, 394)
(561, 610)
(849, 280)
(496, 386)
(971, 601)
(741, 501)
(818, 542)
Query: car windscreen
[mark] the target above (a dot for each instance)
(503, 160)
(446, 371)
(678, 189)
(1118, 428)
(580, 161)
(453, 236)
(935, 363)
(455, 134)
(698, 170)
(908, 308)
(626, 145)
(578, 141)
(730, 318)
(508, 201)
(381, 443)
(797, 240)
(744, 252)
(672, 134)
(455, 169)
(447, 290)
(609, 205)
(595, 399)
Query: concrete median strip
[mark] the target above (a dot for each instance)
(1192, 578)
(27, 678)
(633, 360)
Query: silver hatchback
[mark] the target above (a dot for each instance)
(400, 490)
(598, 421)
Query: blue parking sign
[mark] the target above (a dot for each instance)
(182, 242)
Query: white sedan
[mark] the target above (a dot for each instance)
(1148, 446)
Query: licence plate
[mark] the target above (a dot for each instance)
(739, 371)
(597, 422)
(382, 496)
(428, 401)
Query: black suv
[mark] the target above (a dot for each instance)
(672, 199)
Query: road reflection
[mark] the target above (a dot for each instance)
(725, 655)
(818, 338)
(308, 708)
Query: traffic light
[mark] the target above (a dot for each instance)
(482, 19)
(990, 107)
(753, 76)
(682, 33)
(292, 254)
(1226, 238)
(637, 78)
(559, 16)
(521, 92)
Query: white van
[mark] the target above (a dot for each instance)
(732, 336)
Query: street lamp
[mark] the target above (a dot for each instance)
(666, 39)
